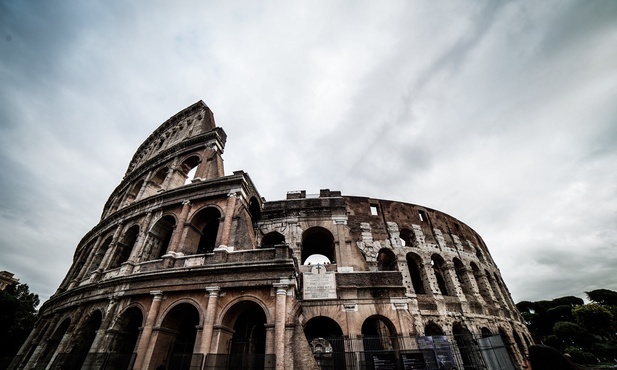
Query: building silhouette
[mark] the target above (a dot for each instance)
(190, 268)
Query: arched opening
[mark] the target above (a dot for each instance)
(134, 192)
(461, 276)
(507, 342)
(406, 236)
(188, 169)
(248, 342)
(468, 349)
(413, 263)
(126, 333)
(386, 260)
(271, 239)
(125, 247)
(255, 209)
(52, 343)
(378, 334)
(100, 253)
(82, 342)
(438, 263)
(326, 340)
(486, 332)
(202, 236)
(156, 182)
(432, 329)
(479, 254)
(175, 342)
(519, 343)
(317, 240)
(159, 238)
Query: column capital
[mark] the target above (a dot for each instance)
(157, 294)
(213, 291)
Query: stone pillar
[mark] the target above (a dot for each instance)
(206, 334)
(179, 231)
(170, 173)
(229, 213)
(144, 347)
(42, 342)
(279, 324)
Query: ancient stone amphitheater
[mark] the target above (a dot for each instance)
(190, 268)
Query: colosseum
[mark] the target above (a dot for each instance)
(190, 268)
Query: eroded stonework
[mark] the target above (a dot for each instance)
(192, 268)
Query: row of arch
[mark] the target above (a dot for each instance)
(448, 275)
(165, 177)
(178, 335)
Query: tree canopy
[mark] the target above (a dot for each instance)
(18, 312)
(567, 323)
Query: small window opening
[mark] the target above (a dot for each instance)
(315, 259)
(374, 210)
(422, 216)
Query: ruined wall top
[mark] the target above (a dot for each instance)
(190, 122)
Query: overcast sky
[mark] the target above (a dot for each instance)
(502, 114)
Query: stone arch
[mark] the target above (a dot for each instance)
(461, 275)
(431, 328)
(468, 349)
(326, 340)
(379, 334)
(507, 341)
(175, 339)
(245, 334)
(438, 264)
(99, 254)
(54, 342)
(271, 239)
(124, 247)
(386, 260)
(156, 182)
(519, 343)
(159, 237)
(82, 340)
(188, 168)
(132, 194)
(202, 236)
(126, 330)
(416, 271)
(318, 241)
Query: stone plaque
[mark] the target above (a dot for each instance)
(319, 284)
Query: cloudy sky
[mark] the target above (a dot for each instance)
(502, 114)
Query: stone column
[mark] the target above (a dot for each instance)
(229, 213)
(179, 231)
(279, 324)
(144, 186)
(144, 347)
(206, 334)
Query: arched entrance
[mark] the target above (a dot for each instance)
(326, 340)
(380, 342)
(175, 340)
(126, 333)
(247, 346)
(82, 342)
(468, 350)
(52, 344)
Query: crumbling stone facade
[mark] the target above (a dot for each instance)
(192, 268)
